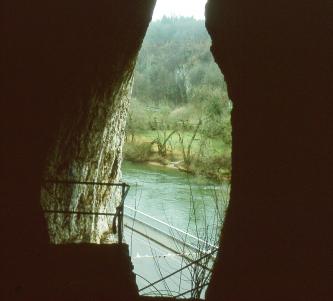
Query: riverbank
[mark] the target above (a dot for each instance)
(215, 167)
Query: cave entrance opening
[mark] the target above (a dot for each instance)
(177, 155)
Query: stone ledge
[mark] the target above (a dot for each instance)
(91, 272)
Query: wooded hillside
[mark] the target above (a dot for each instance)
(180, 92)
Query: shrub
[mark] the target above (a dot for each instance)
(138, 152)
(217, 167)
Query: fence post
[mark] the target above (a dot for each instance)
(120, 214)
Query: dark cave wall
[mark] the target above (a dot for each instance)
(62, 61)
(275, 57)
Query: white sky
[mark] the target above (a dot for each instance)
(175, 8)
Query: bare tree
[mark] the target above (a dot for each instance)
(161, 141)
(187, 149)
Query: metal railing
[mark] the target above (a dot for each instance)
(198, 253)
(195, 262)
(166, 234)
(117, 223)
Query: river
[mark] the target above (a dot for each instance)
(192, 204)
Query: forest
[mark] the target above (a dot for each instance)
(179, 114)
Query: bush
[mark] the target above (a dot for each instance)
(137, 152)
(218, 167)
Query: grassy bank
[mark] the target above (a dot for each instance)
(200, 155)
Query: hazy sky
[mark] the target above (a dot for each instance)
(195, 8)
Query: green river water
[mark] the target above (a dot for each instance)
(192, 204)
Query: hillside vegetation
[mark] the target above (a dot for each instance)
(180, 112)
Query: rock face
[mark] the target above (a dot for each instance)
(274, 57)
(66, 61)
(89, 153)
(67, 69)
(88, 147)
